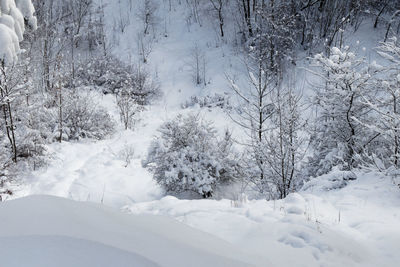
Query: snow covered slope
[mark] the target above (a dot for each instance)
(357, 225)
(354, 226)
(49, 231)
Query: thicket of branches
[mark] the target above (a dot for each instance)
(49, 76)
(355, 104)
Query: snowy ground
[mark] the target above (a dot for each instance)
(41, 231)
(357, 225)
(354, 226)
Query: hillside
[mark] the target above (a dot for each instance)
(192, 133)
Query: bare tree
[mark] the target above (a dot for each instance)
(283, 146)
(198, 65)
(147, 15)
(59, 97)
(123, 18)
(218, 6)
(8, 89)
(128, 108)
(145, 46)
(252, 114)
(395, 15)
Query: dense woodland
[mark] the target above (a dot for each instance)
(52, 51)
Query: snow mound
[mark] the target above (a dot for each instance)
(65, 251)
(356, 225)
(330, 181)
(295, 204)
(51, 231)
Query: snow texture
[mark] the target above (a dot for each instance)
(49, 231)
(333, 221)
(12, 26)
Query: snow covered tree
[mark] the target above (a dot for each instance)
(113, 76)
(283, 147)
(128, 107)
(147, 13)
(187, 156)
(218, 7)
(384, 103)
(253, 110)
(275, 33)
(197, 65)
(12, 27)
(269, 113)
(338, 138)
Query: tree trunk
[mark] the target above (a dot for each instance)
(350, 142)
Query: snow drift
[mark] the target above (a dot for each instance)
(51, 231)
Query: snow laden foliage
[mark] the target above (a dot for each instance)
(338, 138)
(12, 26)
(209, 101)
(187, 156)
(83, 118)
(113, 76)
(384, 104)
(273, 34)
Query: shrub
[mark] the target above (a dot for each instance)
(112, 76)
(187, 156)
(83, 118)
(216, 100)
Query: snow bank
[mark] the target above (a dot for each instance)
(50, 231)
(356, 225)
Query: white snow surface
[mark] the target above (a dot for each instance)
(357, 225)
(41, 231)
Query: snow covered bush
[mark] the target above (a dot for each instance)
(187, 156)
(333, 180)
(128, 108)
(112, 76)
(126, 154)
(209, 101)
(83, 118)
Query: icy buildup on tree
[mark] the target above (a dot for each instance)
(12, 26)
(27, 9)
(9, 46)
